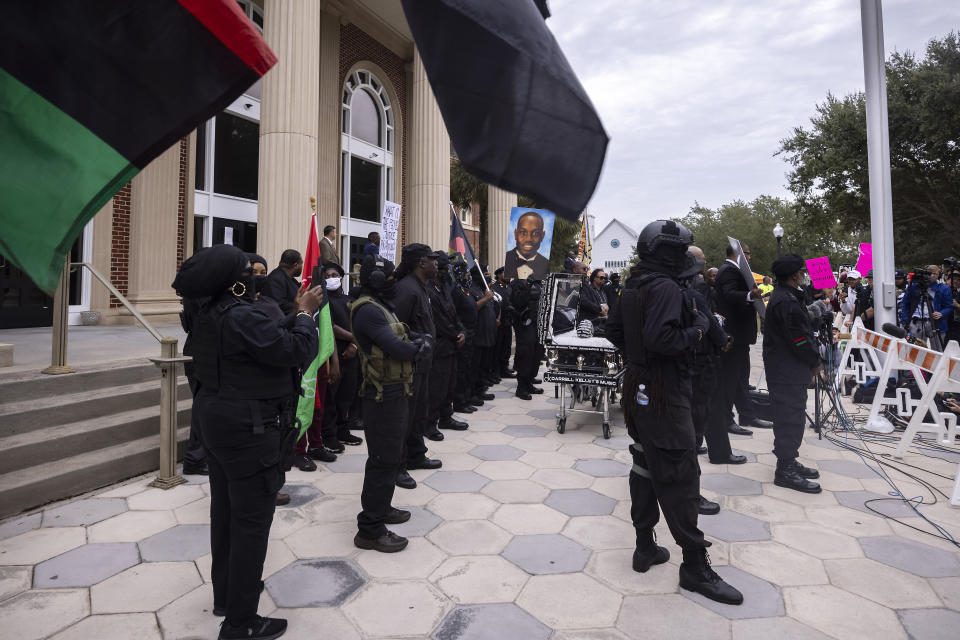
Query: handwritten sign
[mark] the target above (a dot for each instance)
(820, 273)
(389, 226)
(865, 262)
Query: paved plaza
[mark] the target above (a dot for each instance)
(525, 533)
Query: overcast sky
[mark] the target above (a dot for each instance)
(696, 94)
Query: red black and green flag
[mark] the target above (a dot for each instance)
(91, 92)
(458, 241)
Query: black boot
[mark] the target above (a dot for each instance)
(258, 629)
(698, 576)
(648, 553)
(789, 477)
(707, 508)
(807, 472)
(387, 543)
(453, 424)
(405, 480)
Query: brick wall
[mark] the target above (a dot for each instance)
(120, 244)
(357, 45)
(182, 200)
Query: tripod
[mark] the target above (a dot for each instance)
(926, 329)
(825, 402)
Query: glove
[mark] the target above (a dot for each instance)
(424, 351)
(701, 322)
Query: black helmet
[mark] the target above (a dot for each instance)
(663, 233)
(374, 272)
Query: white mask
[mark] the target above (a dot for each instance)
(333, 284)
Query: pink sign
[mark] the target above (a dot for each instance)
(820, 273)
(865, 262)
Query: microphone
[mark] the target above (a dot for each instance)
(891, 329)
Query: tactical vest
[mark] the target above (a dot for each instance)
(378, 369)
(241, 376)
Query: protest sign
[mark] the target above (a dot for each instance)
(746, 272)
(865, 261)
(389, 226)
(821, 275)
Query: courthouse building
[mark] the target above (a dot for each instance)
(346, 116)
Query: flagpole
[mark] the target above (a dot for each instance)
(483, 277)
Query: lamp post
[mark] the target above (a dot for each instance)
(778, 234)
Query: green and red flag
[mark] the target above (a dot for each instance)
(91, 92)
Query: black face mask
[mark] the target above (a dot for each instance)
(245, 287)
(388, 291)
(259, 282)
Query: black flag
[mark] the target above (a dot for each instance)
(516, 113)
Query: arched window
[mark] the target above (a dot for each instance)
(367, 144)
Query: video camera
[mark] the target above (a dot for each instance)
(921, 277)
(950, 265)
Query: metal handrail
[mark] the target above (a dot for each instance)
(119, 296)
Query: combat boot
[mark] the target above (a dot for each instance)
(807, 472)
(789, 476)
(697, 575)
(648, 553)
(706, 507)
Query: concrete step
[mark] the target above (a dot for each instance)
(28, 385)
(54, 443)
(22, 416)
(39, 484)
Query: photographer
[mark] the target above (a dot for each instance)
(927, 305)
(953, 327)
(864, 305)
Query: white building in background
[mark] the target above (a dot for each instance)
(613, 246)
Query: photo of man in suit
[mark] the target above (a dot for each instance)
(527, 257)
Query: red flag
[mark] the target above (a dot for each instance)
(311, 257)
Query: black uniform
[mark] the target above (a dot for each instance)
(705, 380)
(741, 325)
(443, 372)
(412, 306)
(194, 458)
(282, 289)
(505, 330)
(654, 331)
(385, 422)
(485, 340)
(340, 394)
(525, 300)
(789, 356)
(466, 306)
(246, 365)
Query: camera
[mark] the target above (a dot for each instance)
(921, 278)
(950, 265)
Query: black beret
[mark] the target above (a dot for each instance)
(209, 272)
(332, 265)
(413, 252)
(787, 265)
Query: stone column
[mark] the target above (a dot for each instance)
(102, 245)
(328, 141)
(428, 209)
(289, 115)
(499, 204)
(154, 203)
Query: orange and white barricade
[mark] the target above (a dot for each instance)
(869, 345)
(944, 370)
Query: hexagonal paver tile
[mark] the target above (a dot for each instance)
(822, 499)
(323, 540)
(817, 541)
(529, 519)
(615, 568)
(505, 470)
(823, 444)
(339, 483)
(83, 512)
(543, 414)
(300, 494)
(132, 526)
(734, 527)
(347, 463)
(849, 521)
(536, 445)
(515, 491)
(779, 564)
(182, 542)
(526, 431)
(913, 557)
(191, 615)
(421, 523)
(893, 507)
(463, 537)
(491, 622)
(456, 481)
(40, 544)
(479, 579)
(418, 560)
(760, 598)
(14, 580)
(930, 624)
(841, 614)
(86, 565)
(580, 502)
(767, 508)
(120, 625)
(585, 451)
(617, 443)
(314, 583)
(144, 587)
(782, 628)
(382, 608)
(883, 584)
(197, 512)
(287, 521)
(463, 506)
(656, 617)
(548, 460)
(546, 554)
(571, 601)
(847, 468)
(17, 526)
(730, 485)
(304, 623)
(603, 468)
(947, 588)
(601, 532)
(330, 509)
(496, 452)
(37, 614)
(154, 499)
(562, 479)
(487, 437)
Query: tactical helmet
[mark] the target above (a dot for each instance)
(663, 233)
(374, 272)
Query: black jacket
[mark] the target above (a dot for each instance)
(282, 288)
(716, 337)
(789, 348)
(486, 335)
(445, 320)
(590, 300)
(740, 314)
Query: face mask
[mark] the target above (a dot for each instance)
(388, 290)
(333, 284)
(259, 282)
(245, 286)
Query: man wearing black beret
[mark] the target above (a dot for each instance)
(790, 359)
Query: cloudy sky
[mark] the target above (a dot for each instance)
(696, 94)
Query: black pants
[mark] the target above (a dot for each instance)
(527, 357)
(504, 345)
(734, 378)
(483, 359)
(193, 454)
(666, 480)
(789, 403)
(385, 424)
(442, 378)
(245, 476)
(704, 389)
(465, 375)
(416, 417)
(340, 394)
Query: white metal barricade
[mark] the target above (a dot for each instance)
(945, 376)
(867, 344)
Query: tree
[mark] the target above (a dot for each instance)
(830, 173)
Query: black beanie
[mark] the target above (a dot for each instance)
(210, 271)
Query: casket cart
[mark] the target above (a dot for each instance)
(583, 368)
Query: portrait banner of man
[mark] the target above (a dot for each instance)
(529, 239)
